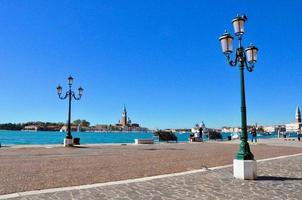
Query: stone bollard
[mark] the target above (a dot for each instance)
(68, 142)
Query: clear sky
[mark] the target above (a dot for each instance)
(161, 58)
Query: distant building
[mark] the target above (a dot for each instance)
(230, 129)
(295, 127)
(269, 129)
(64, 128)
(101, 127)
(124, 120)
(31, 128)
(298, 115)
(135, 125)
(53, 127)
(42, 128)
(124, 124)
(274, 128)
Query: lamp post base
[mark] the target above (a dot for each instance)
(245, 169)
(68, 142)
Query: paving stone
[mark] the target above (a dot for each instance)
(28, 168)
(278, 179)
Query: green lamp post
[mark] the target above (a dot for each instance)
(68, 141)
(245, 59)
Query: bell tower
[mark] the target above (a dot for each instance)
(124, 120)
(298, 115)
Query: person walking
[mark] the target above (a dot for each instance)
(200, 134)
(254, 134)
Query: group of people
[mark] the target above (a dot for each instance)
(299, 134)
(254, 134)
(197, 136)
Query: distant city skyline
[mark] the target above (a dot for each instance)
(160, 58)
(125, 120)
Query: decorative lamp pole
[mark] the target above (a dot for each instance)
(244, 163)
(69, 94)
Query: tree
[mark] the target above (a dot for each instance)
(260, 129)
(77, 122)
(83, 122)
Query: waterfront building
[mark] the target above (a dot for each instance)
(269, 129)
(292, 127)
(274, 128)
(297, 125)
(31, 128)
(230, 129)
(64, 128)
(101, 127)
(124, 124)
(42, 128)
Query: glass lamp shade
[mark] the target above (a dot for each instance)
(238, 24)
(70, 80)
(226, 41)
(251, 54)
(81, 90)
(59, 90)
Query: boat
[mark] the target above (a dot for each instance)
(235, 135)
(164, 135)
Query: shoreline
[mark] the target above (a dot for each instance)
(261, 141)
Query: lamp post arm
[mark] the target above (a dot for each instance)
(231, 62)
(249, 67)
(76, 98)
(66, 95)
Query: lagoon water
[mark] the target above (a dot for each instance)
(47, 137)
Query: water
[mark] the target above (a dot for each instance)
(47, 137)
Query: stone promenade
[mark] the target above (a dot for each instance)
(27, 169)
(278, 179)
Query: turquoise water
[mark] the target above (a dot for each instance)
(46, 137)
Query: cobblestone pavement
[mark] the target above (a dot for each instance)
(27, 169)
(277, 179)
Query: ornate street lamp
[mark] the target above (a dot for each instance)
(238, 24)
(244, 163)
(70, 94)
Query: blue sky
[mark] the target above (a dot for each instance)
(160, 58)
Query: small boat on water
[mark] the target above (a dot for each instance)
(166, 136)
(235, 135)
